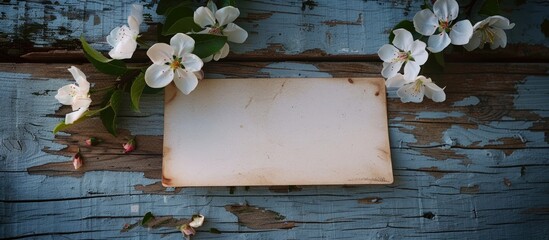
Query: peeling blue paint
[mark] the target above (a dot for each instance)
(294, 70)
(438, 115)
(529, 92)
(468, 101)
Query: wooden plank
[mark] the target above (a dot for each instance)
(472, 167)
(281, 30)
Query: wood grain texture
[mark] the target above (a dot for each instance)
(277, 29)
(471, 167)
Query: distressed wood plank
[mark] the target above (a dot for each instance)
(452, 160)
(282, 30)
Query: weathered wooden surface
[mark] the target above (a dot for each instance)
(474, 166)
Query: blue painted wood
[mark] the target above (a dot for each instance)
(474, 167)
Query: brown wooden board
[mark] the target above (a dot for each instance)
(284, 131)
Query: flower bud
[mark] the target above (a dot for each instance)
(92, 141)
(187, 230)
(77, 161)
(129, 146)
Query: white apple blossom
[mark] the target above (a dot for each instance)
(413, 91)
(490, 30)
(220, 23)
(123, 39)
(404, 51)
(75, 95)
(427, 22)
(174, 62)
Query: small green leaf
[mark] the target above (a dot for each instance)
(100, 62)
(136, 91)
(207, 44)
(490, 8)
(215, 231)
(62, 126)
(175, 14)
(165, 5)
(406, 24)
(148, 216)
(224, 3)
(109, 114)
(183, 25)
(439, 58)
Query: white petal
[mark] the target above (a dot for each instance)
(203, 17)
(418, 52)
(207, 59)
(500, 22)
(119, 34)
(403, 39)
(112, 39)
(425, 22)
(160, 53)
(80, 77)
(396, 81)
(66, 94)
(73, 116)
(411, 92)
(474, 42)
(388, 53)
(211, 5)
(81, 102)
(197, 221)
(185, 80)
(434, 92)
(411, 70)
(136, 11)
(235, 33)
(182, 44)
(134, 26)
(390, 69)
(223, 52)
(123, 49)
(226, 15)
(461, 32)
(446, 10)
(158, 76)
(192, 62)
(438, 42)
(500, 38)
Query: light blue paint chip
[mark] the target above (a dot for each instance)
(529, 93)
(295, 70)
(438, 115)
(468, 101)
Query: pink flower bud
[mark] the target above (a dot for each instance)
(92, 141)
(187, 230)
(130, 145)
(77, 161)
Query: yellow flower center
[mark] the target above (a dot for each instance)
(488, 34)
(175, 64)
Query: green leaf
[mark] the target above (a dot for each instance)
(148, 216)
(207, 44)
(406, 24)
(224, 3)
(136, 91)
(175, 14)
(62, 126)
(165, 5)
(439, 58)
(490, 8)
(183, 25)
(109, 114)
(215, 231)
(100, 62)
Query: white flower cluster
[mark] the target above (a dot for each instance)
(438, 25)
(174, 62)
